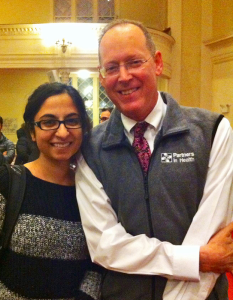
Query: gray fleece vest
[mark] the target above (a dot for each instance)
(163, 204)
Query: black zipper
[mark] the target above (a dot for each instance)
(145, 178)
(147, 200)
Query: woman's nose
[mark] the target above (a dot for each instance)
(62, 131)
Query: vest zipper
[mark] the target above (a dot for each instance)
(145, 181)
(145, 178)
(148, 204)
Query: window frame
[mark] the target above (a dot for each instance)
(73, 17)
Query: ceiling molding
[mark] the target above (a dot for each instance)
(23, 46)
(221, 48)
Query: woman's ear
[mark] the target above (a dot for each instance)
(33, 136)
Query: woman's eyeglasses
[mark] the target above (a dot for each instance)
(73, 123)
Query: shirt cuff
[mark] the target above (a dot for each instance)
(186, 262)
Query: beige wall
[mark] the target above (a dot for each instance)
(220, 47)
(16, 86)
(222, 17)
(223, 88)
(202, 68)
(191, 53)
(25, 11)
(152, 13)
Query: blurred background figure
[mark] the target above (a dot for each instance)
(1, 159)
(26, 149)
(105, 114)
(7, 147)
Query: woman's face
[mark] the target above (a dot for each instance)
(62, 143)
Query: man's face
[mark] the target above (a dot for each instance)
(134, 92)
(105, 115)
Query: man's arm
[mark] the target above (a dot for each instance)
(10, 152)
(214, 212)
(113, 248)
(219, 248)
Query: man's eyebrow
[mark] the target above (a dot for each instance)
(114, 62)
(130, 57)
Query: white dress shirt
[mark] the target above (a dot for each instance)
(113, 248)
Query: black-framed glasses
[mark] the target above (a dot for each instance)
(131, 66)
(73, 123)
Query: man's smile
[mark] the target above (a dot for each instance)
(127, 92)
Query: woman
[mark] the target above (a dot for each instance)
(48, 257)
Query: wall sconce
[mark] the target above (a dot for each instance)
(63, 45)
(225, 108)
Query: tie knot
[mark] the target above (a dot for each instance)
(140, 128)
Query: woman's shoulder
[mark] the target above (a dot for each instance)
(4, 180)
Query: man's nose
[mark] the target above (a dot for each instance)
(124, 73)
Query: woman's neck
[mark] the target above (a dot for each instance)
(58, 172)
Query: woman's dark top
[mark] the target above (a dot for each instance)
(47, 256)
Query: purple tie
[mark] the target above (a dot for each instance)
(141, 146)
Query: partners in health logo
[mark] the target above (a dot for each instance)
(177, 157)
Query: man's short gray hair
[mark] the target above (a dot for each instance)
(122, 22)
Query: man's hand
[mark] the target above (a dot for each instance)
(217, 255)
(4, 153)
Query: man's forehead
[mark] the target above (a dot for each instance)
(105, 113)
(121, 30)
(120, 37)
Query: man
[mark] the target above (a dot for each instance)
(7, 147)
(105, 114)
(2, 160)
(26, 149)
(158, 219)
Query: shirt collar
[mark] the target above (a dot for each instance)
(154, 118)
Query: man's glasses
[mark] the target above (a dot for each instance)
(131, 66)
(73, 123)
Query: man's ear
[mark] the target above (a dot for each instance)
(158, 63)
(102, 81)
